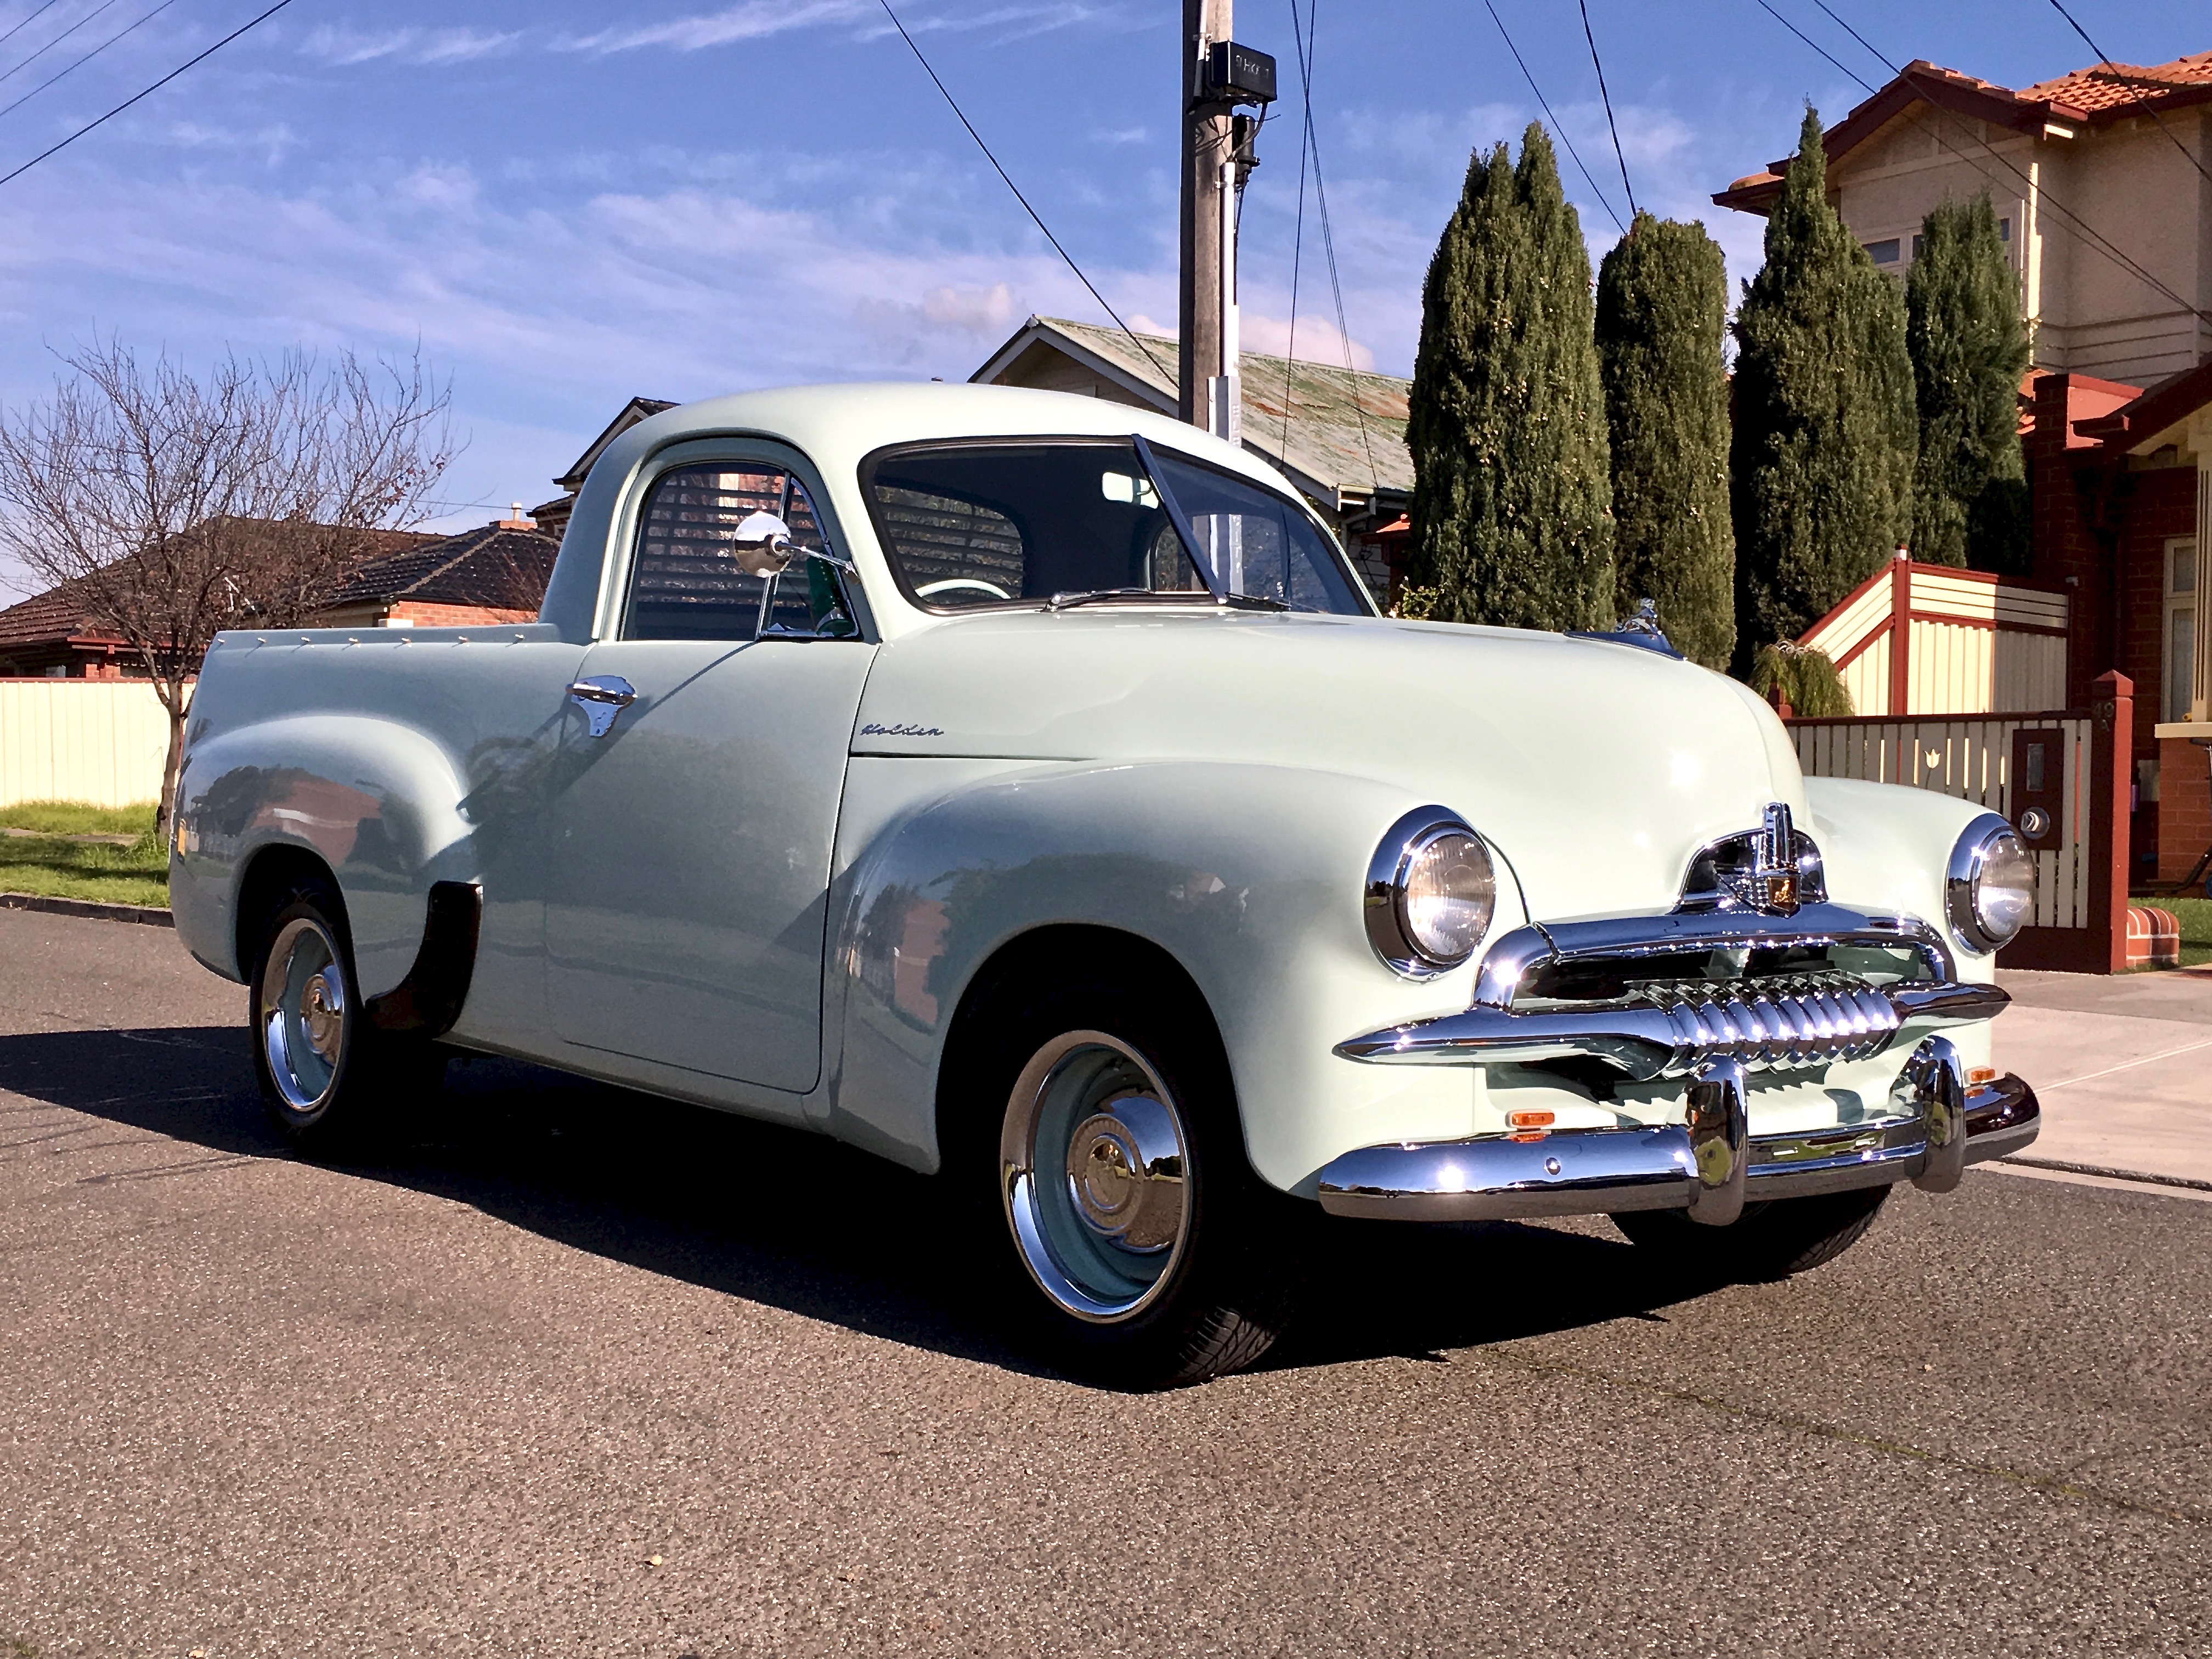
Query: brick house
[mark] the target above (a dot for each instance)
(2122, 483)
(496, 573)
(49, 636)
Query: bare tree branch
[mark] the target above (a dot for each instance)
(170, 506)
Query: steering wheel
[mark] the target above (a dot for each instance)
(961, 585)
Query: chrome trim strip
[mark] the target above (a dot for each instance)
(1606, 1171)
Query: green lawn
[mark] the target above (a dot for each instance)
(48, 864)
(2195, 915)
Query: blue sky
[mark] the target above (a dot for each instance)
(567, 204)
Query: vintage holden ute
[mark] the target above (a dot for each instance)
(1024, 788)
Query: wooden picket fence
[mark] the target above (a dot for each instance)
(2081, 890)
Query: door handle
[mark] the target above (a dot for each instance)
(602, 697)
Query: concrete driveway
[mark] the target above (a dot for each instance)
(2123, 1066)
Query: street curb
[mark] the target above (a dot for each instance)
(151, 916)
(2144, 1176)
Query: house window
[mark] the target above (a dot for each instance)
(1883, 253)
(2004, 230)
(2180, 634)
(1919, 244)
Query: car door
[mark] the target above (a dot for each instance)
(687, 905)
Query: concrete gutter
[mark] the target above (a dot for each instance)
(152, 915)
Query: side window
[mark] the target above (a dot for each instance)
(686, 582)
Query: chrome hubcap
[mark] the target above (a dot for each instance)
(303, 1008)
(1094, 1162)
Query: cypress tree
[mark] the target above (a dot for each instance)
(1820, 462)
(1969, 349)
(1661, 311)
(1511, 522)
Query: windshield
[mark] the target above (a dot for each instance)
(970, 525)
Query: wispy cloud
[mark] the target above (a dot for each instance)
(345, 46)
(750, 21)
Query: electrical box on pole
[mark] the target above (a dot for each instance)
(1218, 75)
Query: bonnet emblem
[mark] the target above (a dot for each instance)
(1774, 872)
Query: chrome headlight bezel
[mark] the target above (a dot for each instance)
(1384, 900)
(1971, 856)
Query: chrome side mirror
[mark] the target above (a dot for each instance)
(762, 546)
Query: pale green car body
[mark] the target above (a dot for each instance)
(769, 888)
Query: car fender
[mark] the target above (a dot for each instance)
(1886, 849)
(377, 801)
(1250, 876)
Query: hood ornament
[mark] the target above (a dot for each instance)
(1775, 870)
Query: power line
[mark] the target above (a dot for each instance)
(2105, 61)
(1588, 177)
(89, 56)
(1012, 186)
(135, 96)
(1608, 98)
(1328, 244)
(2095, 239)
(28, 22)
(11, 74)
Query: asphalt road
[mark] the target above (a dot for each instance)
(583, 1374)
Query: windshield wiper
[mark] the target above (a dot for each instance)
(1252, 602)
(1095, 596)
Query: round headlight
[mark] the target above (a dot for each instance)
(1991, 884)
(1431, 893)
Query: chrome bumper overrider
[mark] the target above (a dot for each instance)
(1691, 1166)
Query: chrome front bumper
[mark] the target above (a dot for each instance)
(1708, 1166)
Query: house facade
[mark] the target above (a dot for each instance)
(2122, 484)
(2096, 182)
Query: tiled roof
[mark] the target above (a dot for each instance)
(493, 567)
(2129, 86)
(2098, 95)
(1338, 417)
(46, 618)
(51, 617)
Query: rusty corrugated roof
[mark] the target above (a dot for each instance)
(1338, 417)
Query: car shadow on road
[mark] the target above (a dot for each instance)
(795, 1221)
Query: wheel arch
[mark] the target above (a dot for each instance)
(1248, 879)
(1060, 946)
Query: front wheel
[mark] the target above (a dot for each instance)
(1771, 1240)
(328, 1077)
(1132, 1225)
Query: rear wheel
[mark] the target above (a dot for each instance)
(1773, 1240)
(1129, 1220)
(328, 1077)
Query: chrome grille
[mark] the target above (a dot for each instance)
(1784, 1022)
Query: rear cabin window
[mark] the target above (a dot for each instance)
(686, 583)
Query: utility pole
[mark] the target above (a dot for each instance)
(1218, 75)
(1207, 309)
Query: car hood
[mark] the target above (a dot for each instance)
(1597, 768)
